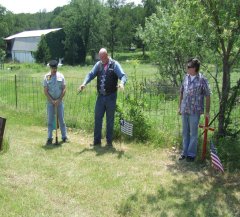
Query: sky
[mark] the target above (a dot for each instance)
(33, 6)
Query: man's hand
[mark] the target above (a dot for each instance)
(56, 102)
(121, 86)
(80, 89)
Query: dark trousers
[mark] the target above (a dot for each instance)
(104, 104)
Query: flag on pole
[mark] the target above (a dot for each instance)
(216, 163)
(126, 127)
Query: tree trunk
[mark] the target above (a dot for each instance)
(222, 126)
(143, 50)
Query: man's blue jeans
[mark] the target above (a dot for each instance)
(104, 104)
(51, 119)
(190, 134)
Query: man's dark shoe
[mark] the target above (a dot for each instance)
(109, 144)
(65, 140)
(182, 157)
(190, 159)
(49, 142)
(97, 144)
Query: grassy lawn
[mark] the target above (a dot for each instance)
(131, 180)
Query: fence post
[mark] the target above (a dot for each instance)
(16, 97)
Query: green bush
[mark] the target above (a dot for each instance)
(133, 112)
(89, 60)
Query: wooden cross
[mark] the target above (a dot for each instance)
(206, 128)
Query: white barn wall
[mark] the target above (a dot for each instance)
(22, 50)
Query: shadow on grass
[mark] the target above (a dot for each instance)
(103, 150)
(195, 189)
(209, 196)
(52, 146)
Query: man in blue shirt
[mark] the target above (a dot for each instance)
(107, 71)
(191, 105)
(54, 89)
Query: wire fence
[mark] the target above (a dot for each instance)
(160, 101)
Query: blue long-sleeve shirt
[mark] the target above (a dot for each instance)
(117, 69)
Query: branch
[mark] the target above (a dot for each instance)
(215, 80)
(235, 58)
(231, 100)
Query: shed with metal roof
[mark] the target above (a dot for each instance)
(20, 47)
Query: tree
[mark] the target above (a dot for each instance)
(222, 24)
(130, 16)
(55, 43)
(5, 25)
(206, 28)
(173, 38)
(85, 24)
(114, 7)
(150, 6)
(42, 55)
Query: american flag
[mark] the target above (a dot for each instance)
(216, 163)
(126, 127)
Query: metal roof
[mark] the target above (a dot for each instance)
(34, 33)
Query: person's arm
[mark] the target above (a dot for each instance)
(90, 76)
(47, 95)
(180, 98)
(63, 92)
(57, 102)
(121, 75)
(63, 89)
(180, 102)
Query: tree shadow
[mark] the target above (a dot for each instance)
(99, 150)
(186, 198)
(199, 191)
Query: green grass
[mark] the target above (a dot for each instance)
(131, 180)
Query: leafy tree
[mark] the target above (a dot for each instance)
(42, 55)
(84, 23)
(55, 43)
(206, 28)
(150, 6)
(222, 28)
(5, 25)
(169, 34)
(130, 17)
(114, 6)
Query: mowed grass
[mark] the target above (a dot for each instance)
(131, 180)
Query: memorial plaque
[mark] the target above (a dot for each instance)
(2, 127)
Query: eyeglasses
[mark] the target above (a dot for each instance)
(190, 67)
